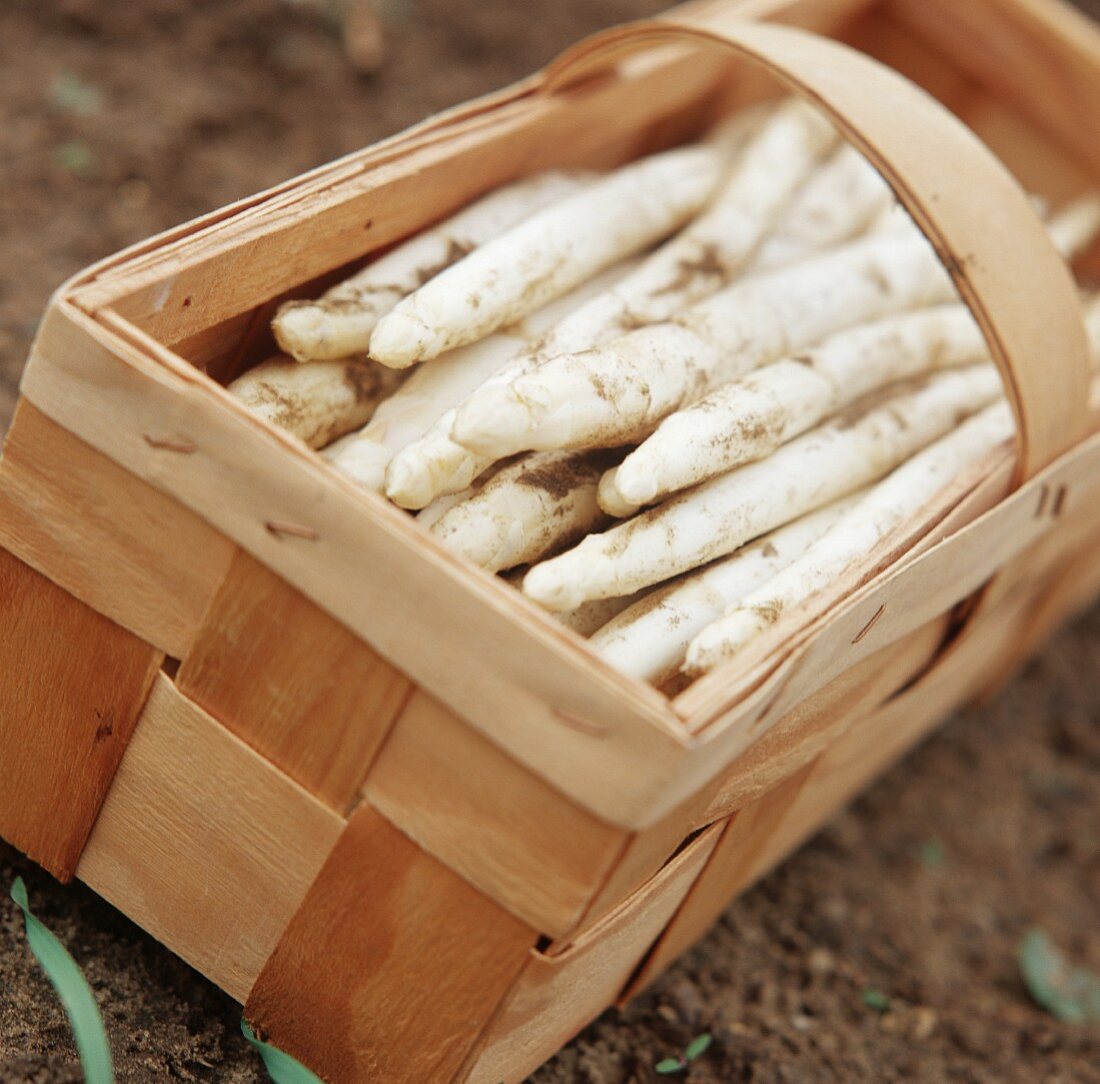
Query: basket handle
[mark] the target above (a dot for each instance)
(972, 210)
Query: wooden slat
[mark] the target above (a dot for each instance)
(761, 834)
(71, 687)
(1042, 58)
(747, 845)
(556, 996)
(815, 724)
(392, 965)
(491, 820)
(645, 853)
(204, 844)
(244, 262)
(112, 540)
(466, 637)
(293, 683)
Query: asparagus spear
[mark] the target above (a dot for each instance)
(317, 402)
(751, 417)
(340, 322)
(549, 254)
(648, 640)
(714, 519)
(529, 509)
(433, 390)
(840, 201)
(897, 498)
(618, 393)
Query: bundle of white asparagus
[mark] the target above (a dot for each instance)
(676, 404)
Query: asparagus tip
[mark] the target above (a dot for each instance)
(493, 423)
(400, 339)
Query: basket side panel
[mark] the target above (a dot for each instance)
(747, 840)
(537, 854)
(174, 295)
(783, 750)
(557, 995)
(292, 682)
(646, 852)
(110, 539)
(762, 834)
(204, 844)
(812, 726)
(71, 688)
(392, 965)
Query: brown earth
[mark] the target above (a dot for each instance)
(120, 119)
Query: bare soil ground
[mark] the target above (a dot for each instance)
(120, 119)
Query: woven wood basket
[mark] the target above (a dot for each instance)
(411, 822)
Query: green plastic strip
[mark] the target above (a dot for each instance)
(73, 990)
(282, 1068)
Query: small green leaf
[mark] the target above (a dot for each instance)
(670, 1066)
(1070, 994)
(875, 999)
(73, 156)
(72, 94)
(73, 990)
(282, 1068)
(932, 854)
(697, 1047)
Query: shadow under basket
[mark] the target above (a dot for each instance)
(416, 826)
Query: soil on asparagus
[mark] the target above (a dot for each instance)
(885, 950)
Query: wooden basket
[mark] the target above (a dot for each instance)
(416, 826)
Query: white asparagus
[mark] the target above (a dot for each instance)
(710, 251)
(340, 322)
(842, 200)
(1075, 225)
(648, 639)
(432, 467)
(431, 514)
(619, 392)
(408, 414)
(536, 506)
(432, 390)
(717, 517)
(591, 616)
(317, 402)
(893, 501)
(549, 254)
(751, 417)
(437, 464)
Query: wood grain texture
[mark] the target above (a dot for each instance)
(392, 965)
(746, 845)
(645, 853)
(292, 682)
(556, 996)
(490, 819)
(1041, 58)
(520, 679)
(812, 726)
(381, 196)
(204, 844)
(112, 540)
(71, 687)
